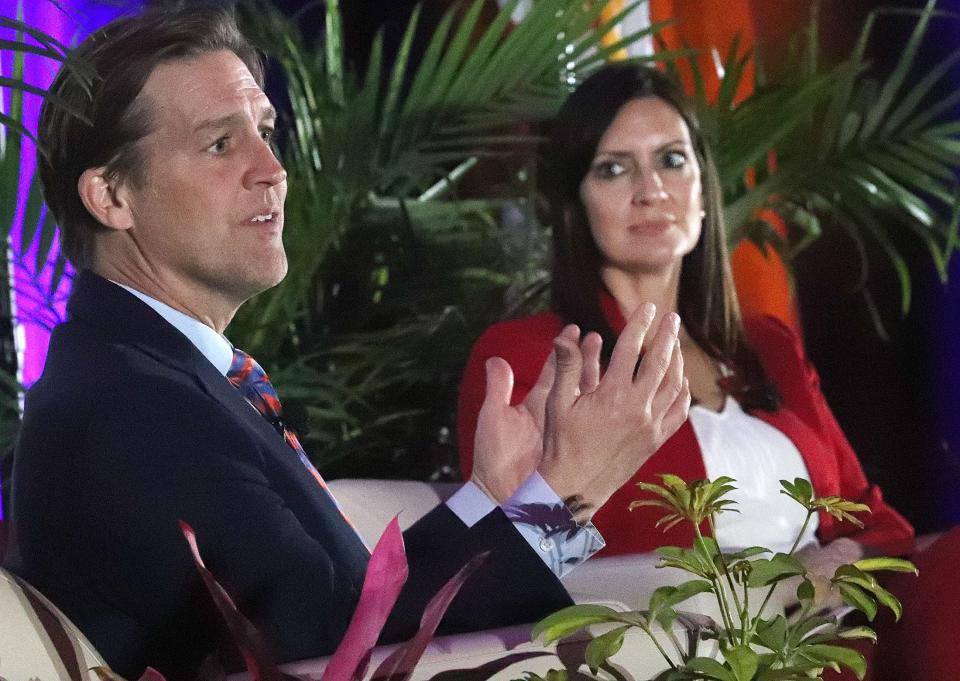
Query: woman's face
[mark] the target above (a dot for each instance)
(642, 192)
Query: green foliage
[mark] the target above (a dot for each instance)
(801, 491)
(694, 503)
(28, 40)
(754, 646)
(873, 157)
(393, 273)
(398, 261)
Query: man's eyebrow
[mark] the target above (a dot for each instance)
(267, 114)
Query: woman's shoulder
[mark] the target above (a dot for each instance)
(781, 351)
(524, 343)
(537, 328)
(774, 340)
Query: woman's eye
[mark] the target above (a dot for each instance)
(609, 169)
(674, 159)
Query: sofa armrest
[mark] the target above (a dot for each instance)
(372, 504)
(37, 641)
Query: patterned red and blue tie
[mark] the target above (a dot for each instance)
(251, 380)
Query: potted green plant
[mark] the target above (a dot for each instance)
(754, 644)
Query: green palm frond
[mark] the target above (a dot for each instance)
(407, 131)
(875, 158)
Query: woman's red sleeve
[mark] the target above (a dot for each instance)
(785, 361)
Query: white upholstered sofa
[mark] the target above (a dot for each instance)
(35, 637)
(37, 641)
(622, 582)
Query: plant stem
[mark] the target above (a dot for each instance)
(741, 610)
(803, 528)
(796, 542)
(676, 644)
(746, 614)
(720, 593)
(788, 649)
(649, 632)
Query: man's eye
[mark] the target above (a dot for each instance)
(674, 159)
(266, 134)
(220, 145)
(609, 169)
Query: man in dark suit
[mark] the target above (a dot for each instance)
(170, 201)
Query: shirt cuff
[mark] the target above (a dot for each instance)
(541, 518)
(470, 503)
(546, 523)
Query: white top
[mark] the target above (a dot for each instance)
(757, 456)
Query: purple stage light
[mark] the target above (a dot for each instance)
(36, 310)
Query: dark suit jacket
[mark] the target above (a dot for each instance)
(129, 429)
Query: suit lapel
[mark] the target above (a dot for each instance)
(98, 303)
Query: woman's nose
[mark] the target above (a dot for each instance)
(648, 187)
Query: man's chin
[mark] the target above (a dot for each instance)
(268, 279)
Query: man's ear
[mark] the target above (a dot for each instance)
(105, 199)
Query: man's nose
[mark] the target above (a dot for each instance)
(648, 187)
(265, 168)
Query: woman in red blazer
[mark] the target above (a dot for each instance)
(637, 215)
(636, 208)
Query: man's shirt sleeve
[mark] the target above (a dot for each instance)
(541, 518)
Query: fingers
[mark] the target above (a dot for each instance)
(677, 412)
(499, 381)
(536, 399)
(590, 348)
(672, 382)
(569, 364)
(545, 379)
(659, 356)
(623, 360)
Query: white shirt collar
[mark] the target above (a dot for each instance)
(211, 344)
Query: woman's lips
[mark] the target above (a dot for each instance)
(650, 226)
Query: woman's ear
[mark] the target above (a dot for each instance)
(105, 198)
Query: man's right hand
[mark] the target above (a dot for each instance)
(600, 431)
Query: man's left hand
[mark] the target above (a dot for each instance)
(508, 444)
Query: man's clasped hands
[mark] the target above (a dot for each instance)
(585, 430)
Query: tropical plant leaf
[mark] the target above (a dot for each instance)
(884, 563)
(770, 571)
(743, 662)
(603, 647)
(400, 665)
(838, 655)
(858, 598)
(710, 668)
(572, 619)
(772, 634)
(250, 642)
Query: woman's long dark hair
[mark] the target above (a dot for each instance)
(707, 301)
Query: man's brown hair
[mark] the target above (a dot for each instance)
(122, 55)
